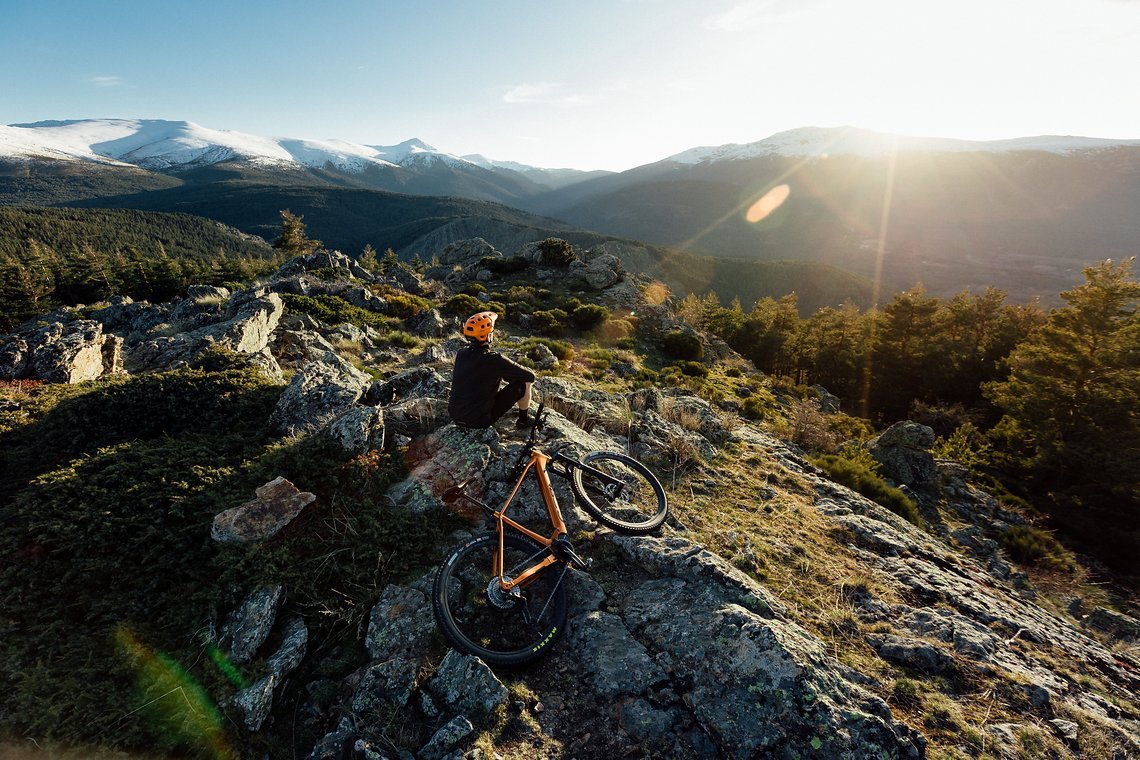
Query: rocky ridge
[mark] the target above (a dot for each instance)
(672, 650)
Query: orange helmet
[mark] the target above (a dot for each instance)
(480, 325)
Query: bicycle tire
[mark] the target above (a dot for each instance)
(639, 508)
(496, 630)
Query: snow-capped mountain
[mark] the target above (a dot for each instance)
(170, 145)
(818, 141)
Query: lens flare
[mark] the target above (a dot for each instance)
(175, 702)
(767, 203)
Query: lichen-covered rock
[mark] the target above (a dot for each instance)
(410, 384)
(440, 460)
(359, 430)
(295, 348)
(761, 687)
(58, 352)
(429, 324)
(903, 450)
(614, 662)
(447, 738)
(466, 685)
(318, 393)
(249, 626)
(276, 504)
(399, 624)
(256, 701)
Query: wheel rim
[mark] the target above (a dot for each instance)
(634, 502)
(492, 622)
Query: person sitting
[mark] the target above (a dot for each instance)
(476, 399)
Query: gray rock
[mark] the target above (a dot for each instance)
(543, 357)
(388, 681)
(410, 384)
(429, 324)
(276, 504)
(58, 352)
(447, 738)
(603, 271)
(466, 685)
(417, 416)
(359, 430)
(1117, 625)
(903, 450)
(399, 624)
(1066, 730)
(827, 402)
(440, 460)
(256, 701)
(467, 254)
(248, 627)
(294, 348)
(761, 687)
(644, 722)
(614, 662)
(318, 393)
(912, 653)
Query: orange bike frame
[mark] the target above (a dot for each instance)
(538, 462)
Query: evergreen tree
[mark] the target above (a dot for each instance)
(1072, 392)
(292, 240)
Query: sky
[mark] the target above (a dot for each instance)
(588, 84)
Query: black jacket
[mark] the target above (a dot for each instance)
(478, 372)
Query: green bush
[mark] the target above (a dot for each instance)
(557, 252)
(334, 310)
(858, 477)
(404, 305)
(683, 345)
(474, 288)
(1028, 545)
(693, 369)
(562, 350)
(462, 305)
(548, 321)
(504, 264)
(588, 316)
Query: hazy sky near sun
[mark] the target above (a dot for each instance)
(586, 84)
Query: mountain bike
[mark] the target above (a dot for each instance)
(501, 596)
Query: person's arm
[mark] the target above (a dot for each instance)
(509, 371)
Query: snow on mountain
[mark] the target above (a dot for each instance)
(164, 145)
(818, 141)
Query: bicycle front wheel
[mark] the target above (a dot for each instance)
(622, 494)
(477, 617)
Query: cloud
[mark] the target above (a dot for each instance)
(752, 13)
(544, 93)
(105, 81)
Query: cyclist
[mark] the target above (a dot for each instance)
(476, 399)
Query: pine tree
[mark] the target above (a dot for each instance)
(292, 240)
(1073, 386)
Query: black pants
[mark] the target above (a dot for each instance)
(506, 397)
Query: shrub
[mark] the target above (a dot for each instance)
(693, 369)
(557, 252)
(758, 407)
(474, 288)
(548, 322)
(404, 305)
(504, 265)
(334, 310)
(683, 345)
(858, 477)
(462, 305)
(562, 350)
(1028, 545)
(588, 316)
(617, 330)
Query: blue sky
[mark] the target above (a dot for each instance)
(587, 84)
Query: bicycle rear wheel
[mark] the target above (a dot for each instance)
(477, 617)
(629, 498)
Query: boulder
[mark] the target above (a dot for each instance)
(466, 685)
(447, 738)
(903, 450)
(295, 348)
(614, 662)
(410, 384)
(603, 271)
(429, 324)
(467, 254)
(359, 430)
(249, 626)
(277, 503)
(440, 460)
(256, 701)
(59, 352)
(319, 392)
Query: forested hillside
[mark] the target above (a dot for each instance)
(51, 257)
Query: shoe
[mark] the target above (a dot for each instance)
(524, 420)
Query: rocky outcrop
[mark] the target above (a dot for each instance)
(319, 392)
(61, 352)
(250, 319)
(903, 450)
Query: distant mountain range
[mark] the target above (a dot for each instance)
(1025, 215)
